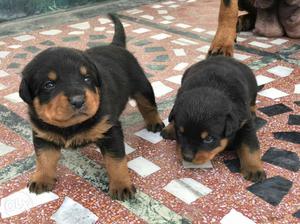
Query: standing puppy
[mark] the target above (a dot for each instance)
(214, 110)
(76, 98)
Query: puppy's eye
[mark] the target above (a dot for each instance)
(49, 85)
(87, 79)
(209, 139)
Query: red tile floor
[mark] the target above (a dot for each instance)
(166, 37)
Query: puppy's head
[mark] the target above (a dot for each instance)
(204, 121)
(62, 86)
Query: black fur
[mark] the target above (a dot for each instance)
(227, 2)
(111, 69)
(215, 96)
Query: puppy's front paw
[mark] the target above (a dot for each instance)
(168, 133)
(39, 185)
(121, 191)
(254, 174)
(156, 127)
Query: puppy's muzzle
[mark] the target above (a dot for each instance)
(77, 101)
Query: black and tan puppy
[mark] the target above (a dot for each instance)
(214, 110)
(76, 97)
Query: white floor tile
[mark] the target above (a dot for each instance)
(81, 26)
(2, 86)
(24, 201)
(50, 32)
(71, 212)
(179, 43)
(23, 38)
(14, 97)
(3, 54)
(134, 11)
(212, 32)
(272, 93)
(174, 6)
(160, 36)
(259, 44)
(162, 12)
(189, 165)
(198, 30)
(297, 89)
(262, 38)
(165, 22)
(241, 57)
(261, 80)
(187, 41)
(182, 25)
(149, 136)
(281, 71)
(77, 32)
(2, 43)
(128, 149)
(160, 89)
(156, 6)
(168, 3)
(103, 21)
(14, 46)
(142, 166)
(4, 149)
(3, 73)
(147, 17)
(200, 57)
(278, 41)
(181, 66)
(99, 29)
(141, 30)
(203, 49)
(179, 52)
(169, 17)
(175, 79)
(187, 189)
(235, 217)
(240, 39)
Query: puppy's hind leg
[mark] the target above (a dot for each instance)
(145, 99)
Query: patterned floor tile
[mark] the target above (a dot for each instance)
(272, 190)
(293, 137)
(149, 136)
(142, 166)
(50, 32)
(5, 149)
(71, 212)
(24, 38)
(187, 189)
(273, 93)
(81, 26)
(275, 109)
(160, 89)
(281, 71)
(285, 159)
(236, 217)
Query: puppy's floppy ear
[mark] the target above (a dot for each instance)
(231, 124)
(24, 92)
(172, 114)
(95, 69)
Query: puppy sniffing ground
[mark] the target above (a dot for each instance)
(214, 110)
(76, 98)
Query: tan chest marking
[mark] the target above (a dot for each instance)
(91, 135)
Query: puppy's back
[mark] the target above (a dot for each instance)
(223, 73)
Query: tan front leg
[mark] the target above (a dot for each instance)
(45, 174)
(251, 164)
(223, 41)
(120, 186)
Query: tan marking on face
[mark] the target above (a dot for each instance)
(253, 109)
(204, 156)
(52, 76)
(148, 110)
(118, 174)
(60, 113)
(204, 134)
(178, 151)
(250, 160)
(181, 129)
(92, 135)
(83, 70)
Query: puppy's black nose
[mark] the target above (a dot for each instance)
(77, 101)
(188, 156)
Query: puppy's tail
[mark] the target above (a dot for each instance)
(119, 38)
